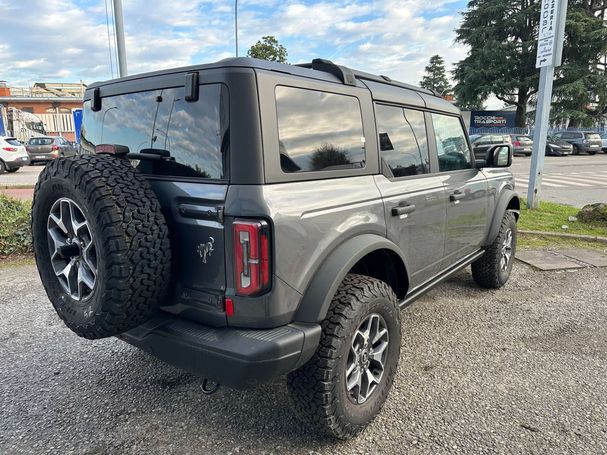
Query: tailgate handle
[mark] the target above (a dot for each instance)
(201, 212)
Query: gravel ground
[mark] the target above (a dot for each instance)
(520, 370)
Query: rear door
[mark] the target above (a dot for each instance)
(190, 182)
(413, 198)
(466, 187)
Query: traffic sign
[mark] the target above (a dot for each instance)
(546, 39)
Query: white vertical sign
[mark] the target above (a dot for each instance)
(547, 33)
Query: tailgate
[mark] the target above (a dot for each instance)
(194, 213)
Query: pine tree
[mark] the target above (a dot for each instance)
(580, 90)
(436, 76)
(502, 37)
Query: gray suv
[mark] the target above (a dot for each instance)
(582, 141)
(247, 219)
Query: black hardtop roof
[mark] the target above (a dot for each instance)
(304, 69)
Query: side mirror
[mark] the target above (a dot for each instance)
(499, 156)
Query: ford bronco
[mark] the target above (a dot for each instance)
(247, 219)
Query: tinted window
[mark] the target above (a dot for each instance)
(318, 130)
(451, 144)
(194, 134)
(402, 140)
(44, 141)
(12, 141)
(483, 140)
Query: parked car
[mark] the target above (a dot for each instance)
(47, 148)
(558, 147)
(270, 231)
(604, 142)
(483, 142)
(12, 154)
(582, 141)
(522, 144)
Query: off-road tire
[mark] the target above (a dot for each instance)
(486, 270)
(318, 388)
(133, 251)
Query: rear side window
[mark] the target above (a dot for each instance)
(402, 140)
(12, 141)
(318, 131)
(451, 144)
(592, 136)
(195, 134)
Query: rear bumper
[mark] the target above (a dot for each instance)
(238, 358)
(41, 158)
(17, 163)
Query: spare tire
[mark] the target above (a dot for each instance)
(101, 244)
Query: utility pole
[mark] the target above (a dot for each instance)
(236, 24)
(119, 28)
(549, 55)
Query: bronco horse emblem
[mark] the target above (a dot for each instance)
(205, 249)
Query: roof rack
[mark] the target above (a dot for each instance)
(348, 76)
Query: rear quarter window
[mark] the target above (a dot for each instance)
(593, 136)
(318, 131)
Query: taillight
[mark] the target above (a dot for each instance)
(517, 143)
(10, 149)
(251, 257)
(55, 148)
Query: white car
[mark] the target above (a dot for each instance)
(12, 154)
(604, 139)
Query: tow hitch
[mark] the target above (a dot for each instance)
(209, 387)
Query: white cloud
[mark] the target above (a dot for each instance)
(392, 37)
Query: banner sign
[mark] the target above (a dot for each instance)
(492, 119)
(77, 113)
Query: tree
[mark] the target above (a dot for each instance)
(502, 35)
(436, 76)
(327, 155)
(580, 90)
(502, 38)
(268, 48)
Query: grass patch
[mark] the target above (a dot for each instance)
(551, 217)
(15, 233)
(535, 242)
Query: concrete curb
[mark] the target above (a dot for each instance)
(593, 238)
(16, 187)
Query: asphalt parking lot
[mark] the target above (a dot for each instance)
(519, 370)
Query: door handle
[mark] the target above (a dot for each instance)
(403, 210)
(456, 196)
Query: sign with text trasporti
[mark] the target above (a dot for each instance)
(546, 39)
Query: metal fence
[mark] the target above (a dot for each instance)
(529, 130)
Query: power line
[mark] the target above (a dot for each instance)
(109, 42)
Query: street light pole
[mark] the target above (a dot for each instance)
(236, 24)
(119, 28)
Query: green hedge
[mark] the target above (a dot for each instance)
(15, 232)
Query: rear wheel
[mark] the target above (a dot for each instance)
(12, 170)
(2, 167)
(493, 268)
(345, 384)
(591, 152)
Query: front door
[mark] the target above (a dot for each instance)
(466, 187)
(413, 198)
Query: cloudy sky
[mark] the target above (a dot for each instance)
(67, 40)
